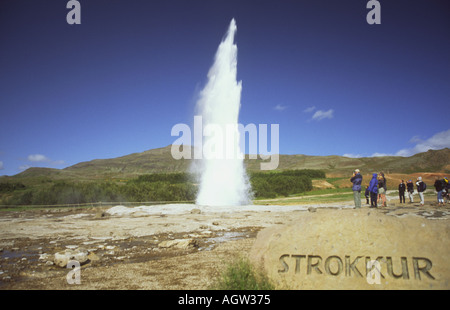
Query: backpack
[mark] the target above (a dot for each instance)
(424, 186)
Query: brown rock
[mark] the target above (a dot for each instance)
(183, 244)
(62, 258)
(356, 249)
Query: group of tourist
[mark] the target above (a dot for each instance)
(376, 190)
(409, 189)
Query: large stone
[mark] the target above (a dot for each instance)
(62, 258)
(183, 244)
(356, 249)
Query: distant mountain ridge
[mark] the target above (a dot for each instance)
(160, 160)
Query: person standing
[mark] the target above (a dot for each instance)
(367, 194)
(410, 189)
(421, 187)
(439, 186)
(356, 180)
(382, 189)
(446, 191)
(373, 189)
(401, 191)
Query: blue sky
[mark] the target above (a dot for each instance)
(119, 81)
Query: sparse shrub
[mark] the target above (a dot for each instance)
(240, 274)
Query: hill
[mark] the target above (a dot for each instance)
(160, 160)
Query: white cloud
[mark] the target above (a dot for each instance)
(350, 155)
(438, 141)
(415, 139)
(38, 158)
(320, 115)
(1, 165)
(381, 154)
(310, 109)
(280, 107)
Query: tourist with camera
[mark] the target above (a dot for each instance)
(356, 180)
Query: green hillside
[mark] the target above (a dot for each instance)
(155, 176)
(160, 161)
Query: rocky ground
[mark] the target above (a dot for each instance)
(143, 250)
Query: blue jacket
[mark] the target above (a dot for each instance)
(356, 180)
(373, 185)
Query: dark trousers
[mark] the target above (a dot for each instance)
(373, 199)
(402, 196)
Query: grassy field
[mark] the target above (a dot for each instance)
(286, 187)
(312, 197)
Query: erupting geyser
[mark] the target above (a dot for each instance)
(223, 181)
